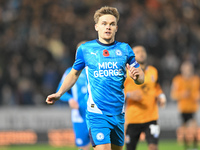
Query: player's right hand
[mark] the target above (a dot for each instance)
(51, 99)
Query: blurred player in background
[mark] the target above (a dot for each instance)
(185, 90)
(105, 61)
(142, 104)
(76, 97)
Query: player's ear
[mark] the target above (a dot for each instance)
(116, 29)
(96, 27)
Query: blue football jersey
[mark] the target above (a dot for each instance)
(77, 92)
(105, 66)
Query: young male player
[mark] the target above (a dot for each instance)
(105, 61)
(185, 89)
(142, 104)
(76, 97)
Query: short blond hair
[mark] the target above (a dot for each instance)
(106, 10)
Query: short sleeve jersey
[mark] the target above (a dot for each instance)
(105, 66)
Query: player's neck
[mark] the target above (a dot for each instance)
(187, 76)
(143, 66)
(105, 41)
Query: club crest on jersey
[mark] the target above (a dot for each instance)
(105, 53)
(100, 136)
(118, 52)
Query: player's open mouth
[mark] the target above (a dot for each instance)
(107, 33)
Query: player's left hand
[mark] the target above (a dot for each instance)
(133, 72)
(162, 101)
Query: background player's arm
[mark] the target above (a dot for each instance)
(195, 94)
(161, 98)
(135, 95)
(136, 74)
(69, 81)
(176, 93)
(73, 103)
(67, 97)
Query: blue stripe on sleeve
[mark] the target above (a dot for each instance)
(134, 63)
(131, 58)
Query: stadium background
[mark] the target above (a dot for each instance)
(38, 41)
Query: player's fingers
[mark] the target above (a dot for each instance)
(52, 97)
(127, 66)
(134, 71)
(131, 69)
(49, 100)
(162, 103)
(135, 74)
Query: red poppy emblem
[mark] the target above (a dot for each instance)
(105, 53)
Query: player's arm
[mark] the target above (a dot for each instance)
(162, 100)
(195, 94)
(69, 81)
(161, 97)
(67, 96)
(73, 103)
(71, 78)
(176, 93)
(134, 69)
(136, 74)
(135, 95)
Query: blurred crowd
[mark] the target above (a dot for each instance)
(38, 40)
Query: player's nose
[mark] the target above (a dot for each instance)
(108, 27)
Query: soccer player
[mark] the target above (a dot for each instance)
(142, 104)
(105, 61)
(185, 90)
(78, 102)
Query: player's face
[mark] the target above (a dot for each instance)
(106, 28)
(187, 69)
(140, 54)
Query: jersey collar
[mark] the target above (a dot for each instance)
(105, 44)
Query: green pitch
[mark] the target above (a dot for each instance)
(163, 145)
